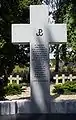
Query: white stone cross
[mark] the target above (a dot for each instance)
(39, 33)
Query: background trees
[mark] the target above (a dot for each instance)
(17, 11)
(66, 13)
(13, 11)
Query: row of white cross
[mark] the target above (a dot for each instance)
(17, 79)
(57, 78)
(64, 77)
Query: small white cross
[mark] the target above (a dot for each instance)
(56, 78)
(18, 79)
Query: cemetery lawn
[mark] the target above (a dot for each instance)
(13, 89)
(26, 94)
(68, 88)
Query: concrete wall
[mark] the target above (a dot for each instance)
(67, 106)
(23, 106)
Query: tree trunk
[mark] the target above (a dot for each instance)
(57, 58)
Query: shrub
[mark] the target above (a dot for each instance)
(13, 89)
(20, 70)
(66, 88)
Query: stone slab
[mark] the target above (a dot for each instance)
(23, 106)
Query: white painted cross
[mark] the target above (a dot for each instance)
(39, 33)
(17, 79)
(56, 78)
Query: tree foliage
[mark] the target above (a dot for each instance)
(13, 11)
(67, 14)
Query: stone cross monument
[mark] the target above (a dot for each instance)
(39, 33)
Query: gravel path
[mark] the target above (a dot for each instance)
(65, 97)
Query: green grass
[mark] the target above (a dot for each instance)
(67, 88)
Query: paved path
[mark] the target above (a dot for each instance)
(39, 117)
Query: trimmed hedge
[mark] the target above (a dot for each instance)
(13, 89)
(68, 87)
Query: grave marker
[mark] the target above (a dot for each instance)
(39, 33)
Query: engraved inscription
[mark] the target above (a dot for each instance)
(39, 58)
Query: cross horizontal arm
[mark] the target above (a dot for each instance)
(53, 33)
(57, 33)
(21, 33)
